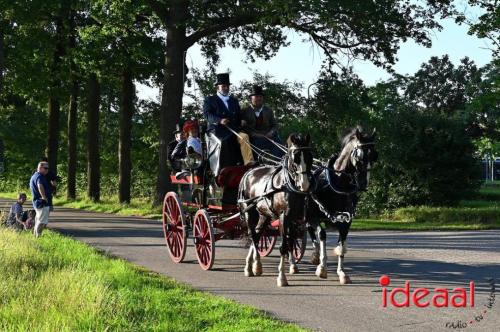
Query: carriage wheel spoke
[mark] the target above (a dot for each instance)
(173, 227)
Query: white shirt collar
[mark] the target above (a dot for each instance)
(225, 99)
(258, 111)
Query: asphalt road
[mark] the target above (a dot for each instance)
(426, 259)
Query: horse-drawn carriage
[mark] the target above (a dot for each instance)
(284, 197)
(205, 206)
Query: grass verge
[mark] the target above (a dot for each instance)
(372, 224)
(483, 212)
(58, 284)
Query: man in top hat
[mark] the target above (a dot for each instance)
(259, 122)
(179, 138)
(222, 111)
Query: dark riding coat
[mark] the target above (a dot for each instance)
(267, 117)
(227, 153)
(267, 125)
(215, 110)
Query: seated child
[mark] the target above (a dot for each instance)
(190, 128)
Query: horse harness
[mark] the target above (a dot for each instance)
(274, 189)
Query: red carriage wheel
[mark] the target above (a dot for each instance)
(174, 227)
(204, 240)
(266, 242)
(299, 244)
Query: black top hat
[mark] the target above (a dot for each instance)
(223, 79)
(257, 91)
(177, 129)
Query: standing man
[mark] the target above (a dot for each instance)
(51, 177)
(259, 122)
(222, 111)
(42, 197)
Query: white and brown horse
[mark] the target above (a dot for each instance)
(336, 195)
(267, 193)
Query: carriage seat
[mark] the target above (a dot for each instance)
(230, 177)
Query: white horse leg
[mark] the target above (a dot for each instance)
(249, 261)
(315, 259)
(322, 270)
(340, 249)
(293, 264)
(343, 278)
(257, 265)
(281, 274)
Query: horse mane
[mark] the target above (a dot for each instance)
(343, 158)
(348, 133)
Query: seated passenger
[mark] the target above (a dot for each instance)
(15, 217)
(174, 157)
(191, 130)
(259, 123)
(222, 112)
(189, 151)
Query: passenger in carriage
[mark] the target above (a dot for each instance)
(222, 111)
(259, 123)
(193, 143)
(179, 152)
(176, 149)
(188, 151)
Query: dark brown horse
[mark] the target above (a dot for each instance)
(267, 193)
(335, 197)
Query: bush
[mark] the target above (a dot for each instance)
(425, 159)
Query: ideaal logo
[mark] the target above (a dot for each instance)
(423, 297)
(438, 298)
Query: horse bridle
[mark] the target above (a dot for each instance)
(358, 152)
(353, 176)
(287, 174)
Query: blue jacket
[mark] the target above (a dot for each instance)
(215, 110)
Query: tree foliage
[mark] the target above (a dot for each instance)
(425, 159)
(487, 25)
(440, 86)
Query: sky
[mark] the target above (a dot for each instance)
(301, 61)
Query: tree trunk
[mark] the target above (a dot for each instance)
(53, 133)
(173, 90)
(54, 107)
(124, 146)
(2, 54)
(93, 158)
(72, 115)
(72, 141)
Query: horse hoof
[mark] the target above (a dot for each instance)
(294, 269)
(282, 282)
(248, 273)
(345, 280)
(321, 272)
(257, 268)
(315, 259)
